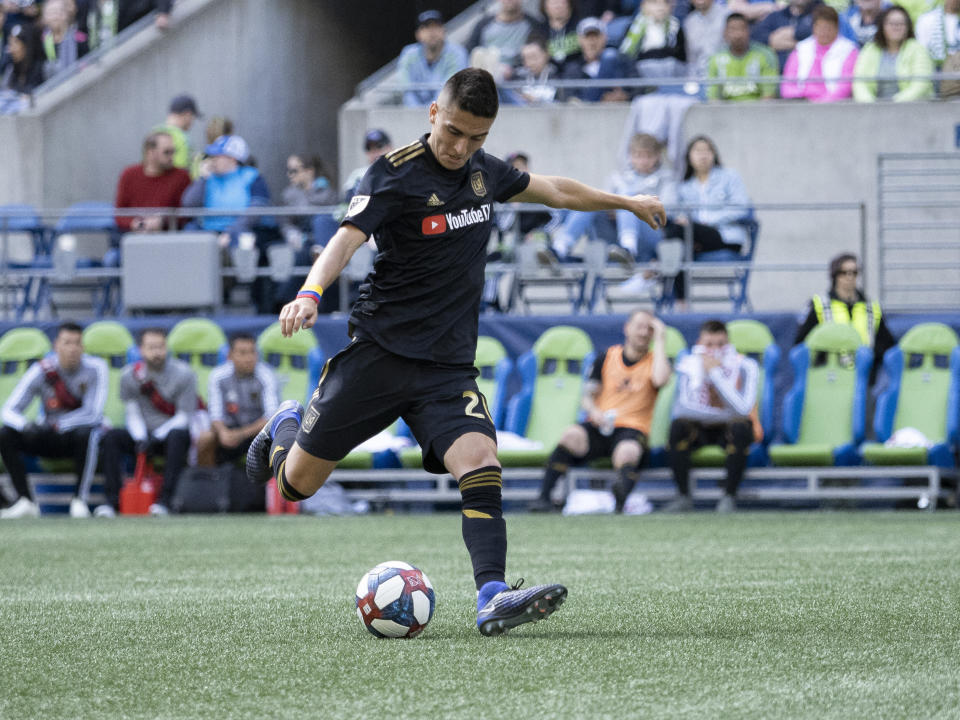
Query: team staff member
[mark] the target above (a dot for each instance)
(846, 304)
(160, 396)
(242, 393)
(429, 207)
(72, 388)
(618, 400)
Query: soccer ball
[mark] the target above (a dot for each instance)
(395, 600)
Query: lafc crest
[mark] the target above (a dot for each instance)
(476, 182)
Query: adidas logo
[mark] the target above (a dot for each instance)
(434, 201)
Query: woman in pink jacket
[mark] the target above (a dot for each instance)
(814, 66)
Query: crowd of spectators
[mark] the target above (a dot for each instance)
(41, 38)
(798, 49)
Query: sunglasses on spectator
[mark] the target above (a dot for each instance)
(294, 170)
(852, 273)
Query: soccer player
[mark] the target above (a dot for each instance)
(429, 206)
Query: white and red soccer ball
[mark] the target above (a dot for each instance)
(395, 600)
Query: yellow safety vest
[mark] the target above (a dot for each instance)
(865, 317)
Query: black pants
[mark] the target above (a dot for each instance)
(118, 443)
(43, 442)
(688, 435)
(706, 238)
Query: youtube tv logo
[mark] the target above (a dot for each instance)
(433, 225)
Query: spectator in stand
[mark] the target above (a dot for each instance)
(243, 393)
(703, 33)
(893, 54)
(62, 42)
(497, 39)
(655, 43)
(939, 31)
(309, 185)
(431, 59)
(561, 28)
(536, 72)
(741, 65)
(160, 396)
(816, 64)
(784, 28)
(846, 304)
(129, 11)
(216, 126)
(862, 17)
(646, 176)
(719, 203)
(521, 221)
(72, 388)
(595, 61)
(154, 183)
(97, 19)
(23, 70)
(715, 404)
(618, 400)
(375, 143)
(183, 112)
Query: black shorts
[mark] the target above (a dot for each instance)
(601, 446)
(363, 389)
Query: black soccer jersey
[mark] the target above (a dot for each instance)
(431, 226)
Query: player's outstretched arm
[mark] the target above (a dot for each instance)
(302, 312)
(562, 192)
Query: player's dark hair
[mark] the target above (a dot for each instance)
(69, 326)
(712, 327)
(151, 331)
(472, 90)
(241, 337)
(688, 171)
(836, 264)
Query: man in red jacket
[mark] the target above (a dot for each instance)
(155, 183)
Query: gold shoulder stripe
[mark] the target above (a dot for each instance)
(401, 150)
(409, 156)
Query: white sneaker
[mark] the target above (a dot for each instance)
(22, 508)
(159, 510)
(79, 509)
(638, 285)
(104, 511)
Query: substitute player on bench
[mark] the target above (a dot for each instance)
(429, 206)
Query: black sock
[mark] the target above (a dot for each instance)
(288, 491)
(484, 529)
(557, 464)
(283, 440)
(628, 478)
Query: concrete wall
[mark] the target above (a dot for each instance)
(787, 153)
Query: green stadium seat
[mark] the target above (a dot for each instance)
(924, 394)
(824, 410)
(111, 341)
(295, 360)
(549, 400)
(198, 342)
(753, 339)
(20, 348)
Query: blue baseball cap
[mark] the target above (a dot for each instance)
(230, 145)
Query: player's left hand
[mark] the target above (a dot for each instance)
(649, 209)
(300, 313)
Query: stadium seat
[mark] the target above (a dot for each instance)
(94, 230)
(549, 399)
(23, 240)
(19, 349)
(297, 361)
(111, 341)
(753, 339)
(735, 281)
(200, 343)
(663, 408)
(923, 394)
(823, 412)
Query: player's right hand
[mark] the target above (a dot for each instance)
(300, 313)
(649, 209)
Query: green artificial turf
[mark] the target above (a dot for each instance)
(822, 615)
